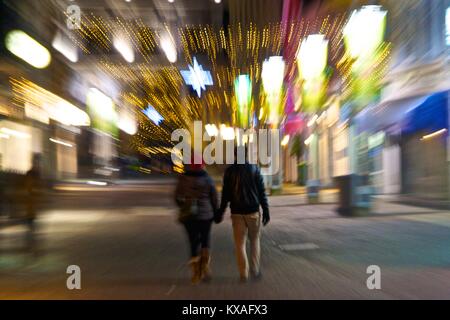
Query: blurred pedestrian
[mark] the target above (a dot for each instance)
(33, 188)
(243, 188)
(196, 197)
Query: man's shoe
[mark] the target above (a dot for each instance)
(243, 279)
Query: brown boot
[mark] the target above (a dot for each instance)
(194, 263)
(205, 265)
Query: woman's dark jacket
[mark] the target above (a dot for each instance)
(198, 185)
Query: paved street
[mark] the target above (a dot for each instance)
(138, 251)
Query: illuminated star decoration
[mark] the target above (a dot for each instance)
(153, 115)
(197, 78)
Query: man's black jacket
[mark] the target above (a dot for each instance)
(243, 188)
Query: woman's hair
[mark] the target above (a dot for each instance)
(239, 151)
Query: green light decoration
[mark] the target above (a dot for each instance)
(272, 76)
(364, 41)
(312, 63)
(243, 92)
(103, 112)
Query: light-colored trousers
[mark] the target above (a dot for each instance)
(250, 225)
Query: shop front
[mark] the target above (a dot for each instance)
(424, 147)
(407, 145)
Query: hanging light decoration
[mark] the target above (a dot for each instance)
(272, 77)
(243, 92)
(312, 62)
(363, 36)
(197, 77)
(312, 56)
(364, 32)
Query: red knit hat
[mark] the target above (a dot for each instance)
(196, 166)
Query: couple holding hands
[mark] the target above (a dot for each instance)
(244, 191)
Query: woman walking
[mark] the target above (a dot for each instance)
(196, 197)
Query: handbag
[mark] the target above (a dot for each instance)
(188, 210)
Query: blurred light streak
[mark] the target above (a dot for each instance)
(15, 133)
(65, 47)
(127, 121)
(145, 170)
(312, 121)
(321, 117)
(47, 105)
(60, 142)
(128, 127)
(97, 183)
(309, 140)
(168, 46)
(123, 46)
(26, 48)
(434, 134)
(178, 169)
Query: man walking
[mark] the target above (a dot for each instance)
(243, 188)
